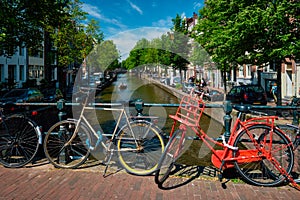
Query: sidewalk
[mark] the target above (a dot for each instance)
(46, 182)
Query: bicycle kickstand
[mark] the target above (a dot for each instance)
(221, 177)
(106, 162)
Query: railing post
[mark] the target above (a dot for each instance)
(295, 112)
(295, 117)
(139, 107)
(227, 118)
(60, 106)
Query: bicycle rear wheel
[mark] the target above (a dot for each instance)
(172, 152)
(292, 131)
(262, 172)
(64, 148)
(140, 150)
(19, 141)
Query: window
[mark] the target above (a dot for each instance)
(1, 73)
(22, 73)
(36, 71)
(249, 70)
(21, 51)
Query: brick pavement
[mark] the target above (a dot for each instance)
(46, 182)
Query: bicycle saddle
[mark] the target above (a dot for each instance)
(245, 108)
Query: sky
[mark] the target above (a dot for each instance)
(127, 21)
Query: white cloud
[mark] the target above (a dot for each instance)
(163, 22)
(96, 13)
(135, 7)
(126, 40)
(154, 4)
(197, 5)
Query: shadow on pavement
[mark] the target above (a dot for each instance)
(184, 174)
(181, 175)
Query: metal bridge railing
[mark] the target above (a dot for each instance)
(139, 104)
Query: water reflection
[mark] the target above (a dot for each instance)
(137, 88)
(143, 89)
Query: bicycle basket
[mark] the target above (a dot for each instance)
(189, 111)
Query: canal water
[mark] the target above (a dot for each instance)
(137, 88)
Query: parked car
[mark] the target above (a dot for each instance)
(28, 95)
(52, 94)
(176, 80)
(215, 95)
(162, 80)
(22, 95)
(187, 86)
(247, 94)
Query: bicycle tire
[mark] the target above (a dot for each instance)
(19, 141)
(168, 160)
(263, 172)
(141, 159)
(67, 156)
(291, 131)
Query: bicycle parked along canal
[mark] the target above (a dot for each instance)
(138, 143)
(20, 139)
(261, 153)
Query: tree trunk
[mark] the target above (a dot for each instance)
(224, 81)
(47, 59)
(279, 96)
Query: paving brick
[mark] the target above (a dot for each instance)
(49, 183)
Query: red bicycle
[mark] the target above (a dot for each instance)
(261, 153)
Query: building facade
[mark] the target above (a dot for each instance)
(16, 69)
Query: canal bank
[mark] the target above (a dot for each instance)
(216, 112)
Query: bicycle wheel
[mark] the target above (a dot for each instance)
(63, 152)
(140, 150)
(262, 172)
(19, 141)
(172, 152)
(291, 131)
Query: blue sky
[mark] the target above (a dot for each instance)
(126, 21)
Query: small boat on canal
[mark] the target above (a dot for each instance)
(122, 86)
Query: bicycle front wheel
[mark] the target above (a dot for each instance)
(140, 146)
(19, 141)
(173, 151)
(66, 148)
(262, 171)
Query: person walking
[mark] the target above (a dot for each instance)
(274, 92)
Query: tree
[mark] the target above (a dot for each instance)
(53, 23)
(73, 39)
(180, 46)
(22, 22)
(104, 56)
(249, 32)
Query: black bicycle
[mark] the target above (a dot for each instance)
(20, 138)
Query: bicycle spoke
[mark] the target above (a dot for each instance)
(19, 141)
(64, 149)
(271, 145)
(140, 149)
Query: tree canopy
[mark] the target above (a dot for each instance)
(29, 23)
(104, 56)
(22, 22)
(249, 32)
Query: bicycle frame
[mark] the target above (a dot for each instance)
(229, 155)
(222, 159)
(82, 118)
